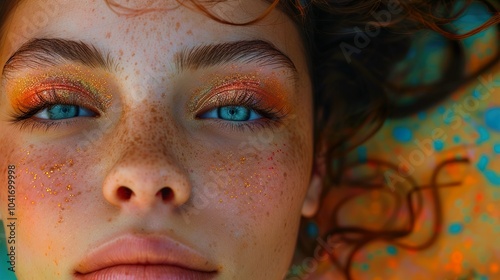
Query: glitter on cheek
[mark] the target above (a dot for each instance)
(47, 185)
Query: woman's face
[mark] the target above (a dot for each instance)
(157, 143)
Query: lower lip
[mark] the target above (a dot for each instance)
(129, 272)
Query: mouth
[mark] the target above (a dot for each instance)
(136, 257)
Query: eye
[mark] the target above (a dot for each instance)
(232, 113)
(63, 111)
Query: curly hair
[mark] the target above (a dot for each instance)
(356, 74)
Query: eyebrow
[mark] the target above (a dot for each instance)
(51, 52)
(255, 51)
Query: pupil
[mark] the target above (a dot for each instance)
(234, 113)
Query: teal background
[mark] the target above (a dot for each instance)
(4, 273)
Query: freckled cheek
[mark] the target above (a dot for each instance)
(265, 182)
(48, 187)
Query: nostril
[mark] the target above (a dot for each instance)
(124, 193)
(166, 194)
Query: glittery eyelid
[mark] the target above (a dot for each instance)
(247, 96)
(48, 95)
(207, 95)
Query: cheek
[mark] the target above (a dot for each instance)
(48, 188)
(262, 182)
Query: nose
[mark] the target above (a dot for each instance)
(145, 179)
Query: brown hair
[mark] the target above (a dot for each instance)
(352, 95)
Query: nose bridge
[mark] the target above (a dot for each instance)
(146, 170)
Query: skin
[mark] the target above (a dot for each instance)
(464, 249)
(67, 198)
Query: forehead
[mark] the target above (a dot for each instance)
(157, 28)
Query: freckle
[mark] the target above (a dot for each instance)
(189, 32)
(108, 35)
(177, 26)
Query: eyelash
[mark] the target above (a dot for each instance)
(271, 116)
(47, 98)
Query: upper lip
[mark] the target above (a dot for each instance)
(144, 250)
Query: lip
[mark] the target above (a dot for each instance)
(136, 257)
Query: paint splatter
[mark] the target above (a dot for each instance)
(455, 228)
(492, 118)
(402, 134)
(392, 250)
(362, 154)
(484, 135)
(438, 145)
(422, 115)
(312, 230)
(482, 163)
(496, 148)
(492, 177)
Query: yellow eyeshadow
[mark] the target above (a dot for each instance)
(269, 89)
(93, 81)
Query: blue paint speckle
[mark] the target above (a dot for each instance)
(392, 250)
(438, 145)
(492, 177)
(476, 94)
(492, 118)
(422, 116)
(362, 154)
(484, 135)
(456, 139)
(455, 228)
(402, 134)
(441, 109)
(496, 148)
(312, 230)
(365, 267)
(482, 163)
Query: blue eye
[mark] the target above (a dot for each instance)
(61, 111)
(232, 113)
